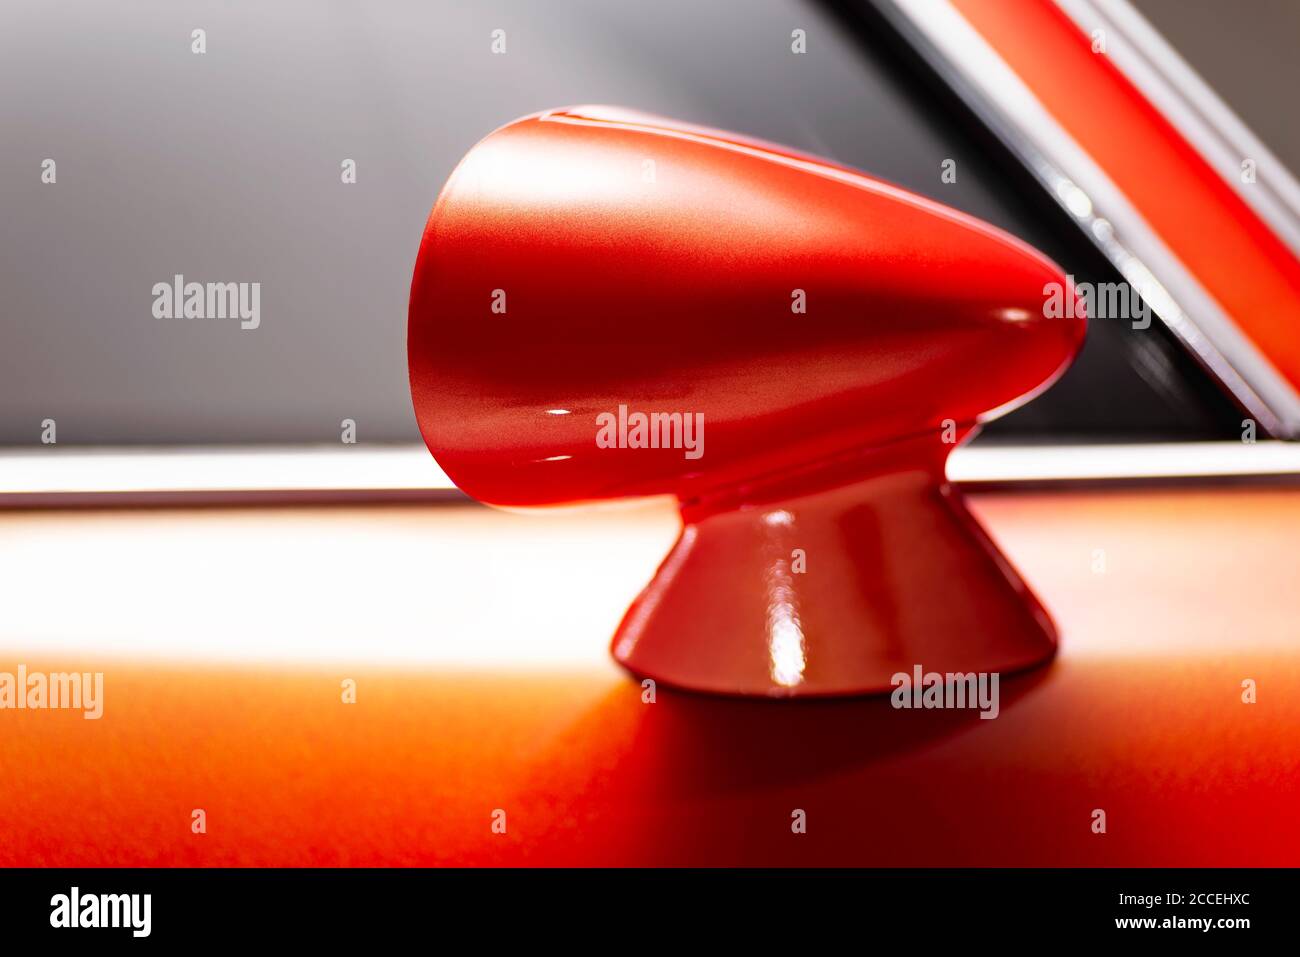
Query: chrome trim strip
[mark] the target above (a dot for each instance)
(1195, 110)
(1014, 464)
(286, 474)
(1002, 101)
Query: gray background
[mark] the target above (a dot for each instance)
(225, 167)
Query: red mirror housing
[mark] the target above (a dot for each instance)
(607, 304)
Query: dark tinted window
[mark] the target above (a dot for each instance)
(225, 166)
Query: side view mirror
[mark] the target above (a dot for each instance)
(608, 304)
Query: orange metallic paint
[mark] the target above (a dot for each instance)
(1140, 715)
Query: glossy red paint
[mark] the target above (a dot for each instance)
(823, 340)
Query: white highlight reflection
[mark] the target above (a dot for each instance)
(376, 586)
(785, 640)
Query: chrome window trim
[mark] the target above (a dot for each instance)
(1004, 103)
(1195, 110)
(247, 475)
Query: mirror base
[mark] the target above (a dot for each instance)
(833, 592)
